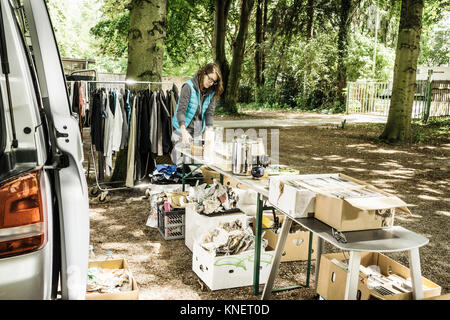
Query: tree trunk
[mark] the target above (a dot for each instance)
(398, 125)
(343, 49)
(258, 48)
(238, 57)
(309, 23)
(146, 41)
(219, 56)
(263, 55)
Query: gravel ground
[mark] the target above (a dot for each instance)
(417, 173)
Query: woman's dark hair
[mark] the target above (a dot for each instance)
(208, 69)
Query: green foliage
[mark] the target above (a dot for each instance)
(435, 128)
(299, 73)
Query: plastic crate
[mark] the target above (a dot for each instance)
(171, 224)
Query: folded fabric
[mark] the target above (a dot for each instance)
(166, 169)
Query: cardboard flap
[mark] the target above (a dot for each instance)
(374, 203)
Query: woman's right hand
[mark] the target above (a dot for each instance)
(185, 136)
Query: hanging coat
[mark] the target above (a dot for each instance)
(165, 124)
(118, 121)
(108, 140)
(131, 172)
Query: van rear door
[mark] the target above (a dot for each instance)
(69, 180)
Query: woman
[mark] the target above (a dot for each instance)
(195, 109)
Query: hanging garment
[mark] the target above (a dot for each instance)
(118, 120)
(129, 182)
(159, 105)
(81, 99)
(175, 92)
(97, 119)
(124, 140)
(108, 140)
(154, 125)
(142, 145)
(76, 98)
(165, 124)
(173, 108)
(71, 87)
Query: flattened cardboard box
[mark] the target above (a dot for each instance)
(297, 244)
(123, 295)
(355, 213)
(333, 279)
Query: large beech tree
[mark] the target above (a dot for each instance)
(146, 39)
(398, 126)
(146, 42)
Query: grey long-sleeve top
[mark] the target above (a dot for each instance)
(185, 95)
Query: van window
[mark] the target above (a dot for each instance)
(24, 96)
(2, 128)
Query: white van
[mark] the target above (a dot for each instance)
(44, 208)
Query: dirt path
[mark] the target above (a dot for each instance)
(418, 174)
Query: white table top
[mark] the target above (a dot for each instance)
(391, 239)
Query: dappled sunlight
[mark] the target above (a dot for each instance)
(357, 169)
(429, 198)
(361, 145)
(443, 213)
(115, 228)
(390, 151)
(116, 246)
(430, 190)
(390, 164)
(395, 174)
(333, 157)
(338, 168)
(354, 160)
(170, 291)
(138, 233)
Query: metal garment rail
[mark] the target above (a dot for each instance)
(98, 184)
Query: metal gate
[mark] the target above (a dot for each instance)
(431, 99)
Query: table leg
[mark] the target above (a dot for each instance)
(416, 276)
(308, 269)
(183, 174)
(256, 263)
(319, 250)
(277, 258)
(351, 286)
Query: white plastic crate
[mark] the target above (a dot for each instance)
(233, 271)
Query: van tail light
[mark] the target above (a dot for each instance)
(23, 218)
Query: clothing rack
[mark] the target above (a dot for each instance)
(95, 189)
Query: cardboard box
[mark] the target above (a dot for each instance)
(224, 272)
(297, 244)
(333, 278)
(209, 175)
(348, 204)
(196, 224)
(124, 295)
(298, 202)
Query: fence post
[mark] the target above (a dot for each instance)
(428, 97)
(348, 97)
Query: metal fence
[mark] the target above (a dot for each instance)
(430, 99)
